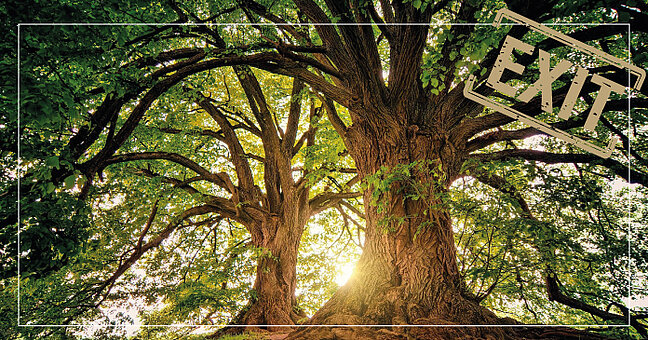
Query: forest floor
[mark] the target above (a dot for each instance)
(529, 334)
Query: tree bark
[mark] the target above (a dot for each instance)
(408, 272)
(277, 238)
(274, 301)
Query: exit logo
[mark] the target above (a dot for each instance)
(547, 75)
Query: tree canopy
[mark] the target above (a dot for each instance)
(229, 163)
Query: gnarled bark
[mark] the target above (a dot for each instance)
(408, 272)
(276, 279)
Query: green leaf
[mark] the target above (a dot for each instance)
(69, 181)
(53, 161)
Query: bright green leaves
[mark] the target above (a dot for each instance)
(211, 284)
(451, 54)
(49, 187)
(433, 70)
(571, 233)
(421, 5)
(205, 267)
(325, 156)
(69, 181)
(420, 180)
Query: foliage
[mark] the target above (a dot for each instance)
(404, 182)
(85, 212)
(573, 231)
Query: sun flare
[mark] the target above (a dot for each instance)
(344, 273)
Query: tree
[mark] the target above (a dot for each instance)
(275, 217)
(114, 130)
(414, 134)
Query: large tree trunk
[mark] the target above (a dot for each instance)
(408, 272)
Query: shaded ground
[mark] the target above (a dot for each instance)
(409, 333)
(451, 333)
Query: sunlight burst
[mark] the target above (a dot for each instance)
(344, 274)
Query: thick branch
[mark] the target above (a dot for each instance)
(334, 46)
(221, 179)
(326, 200)
(160, 88)
(574, 121)
(241, 164)
(554, 158)
(500, 184)
(333, 116)
(555, 294)
(293, 116)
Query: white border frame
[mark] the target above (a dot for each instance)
(630, 139)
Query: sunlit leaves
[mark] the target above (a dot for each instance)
(573, 233)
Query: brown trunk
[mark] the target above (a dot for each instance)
(273, 301)
(274, 286)
(408, 272)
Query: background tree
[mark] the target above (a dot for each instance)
(276, 216)
(102, 120)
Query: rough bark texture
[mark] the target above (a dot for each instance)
(275, 282)
(408, 272)
(278, 216)
(274, 302)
